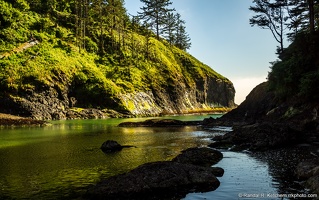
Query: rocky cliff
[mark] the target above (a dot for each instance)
(56, 103)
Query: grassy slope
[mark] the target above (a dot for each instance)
(57, 62)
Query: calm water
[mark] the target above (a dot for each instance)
(60, 161)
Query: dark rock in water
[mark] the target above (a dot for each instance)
(159, 123)
(309, 170)
(205, 157)
(260, 136)
(313, 183)
(111, 146)
(158, 180)
(218, 171)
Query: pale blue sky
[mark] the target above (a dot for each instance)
(222, 38)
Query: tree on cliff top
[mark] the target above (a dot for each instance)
(155, 12)
(279, 16)
(272, 16)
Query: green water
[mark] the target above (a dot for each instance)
(61, 160)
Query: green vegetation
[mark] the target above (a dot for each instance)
(106, 56)
(296, 74)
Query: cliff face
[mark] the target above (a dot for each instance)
(181, 98)
(54, 103)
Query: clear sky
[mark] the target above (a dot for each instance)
(222, 38)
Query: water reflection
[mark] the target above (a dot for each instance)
(282, 163)
(243, 176)
(59, 161)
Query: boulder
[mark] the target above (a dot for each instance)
(205, 157)
(158, 180)
(111, 146)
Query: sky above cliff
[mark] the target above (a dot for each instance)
(222, 38)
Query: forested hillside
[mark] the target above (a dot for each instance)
(59, 57)
(295, 75)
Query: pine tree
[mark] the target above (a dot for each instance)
(154, 13)
(303, 15)
(182, 39)
(272, 16)
(82, 10)
(170, 27)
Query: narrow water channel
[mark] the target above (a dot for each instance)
(61, 160)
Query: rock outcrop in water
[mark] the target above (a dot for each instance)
(113, 146)
(205, 157)
(159, 180)
(163, 180)
(308, 171)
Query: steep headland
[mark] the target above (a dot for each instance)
(282, 112)
(134, 74)
(287, 104)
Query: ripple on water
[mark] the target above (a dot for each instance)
(243, 175)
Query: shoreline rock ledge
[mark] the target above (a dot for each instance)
(161, 180)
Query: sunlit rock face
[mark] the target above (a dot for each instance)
(175, 98)
(181, 98)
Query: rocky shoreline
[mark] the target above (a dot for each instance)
(263, 123)
(11, 120)
(189, 171)
(260, 123)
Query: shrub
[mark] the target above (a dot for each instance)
(309, 86)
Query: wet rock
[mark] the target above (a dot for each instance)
(199, 156)
(260, 136)
(307, 169)
(158, 180)
(313, 183)
(112, 146)
(158, 123)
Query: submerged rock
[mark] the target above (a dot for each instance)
(158, 180)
